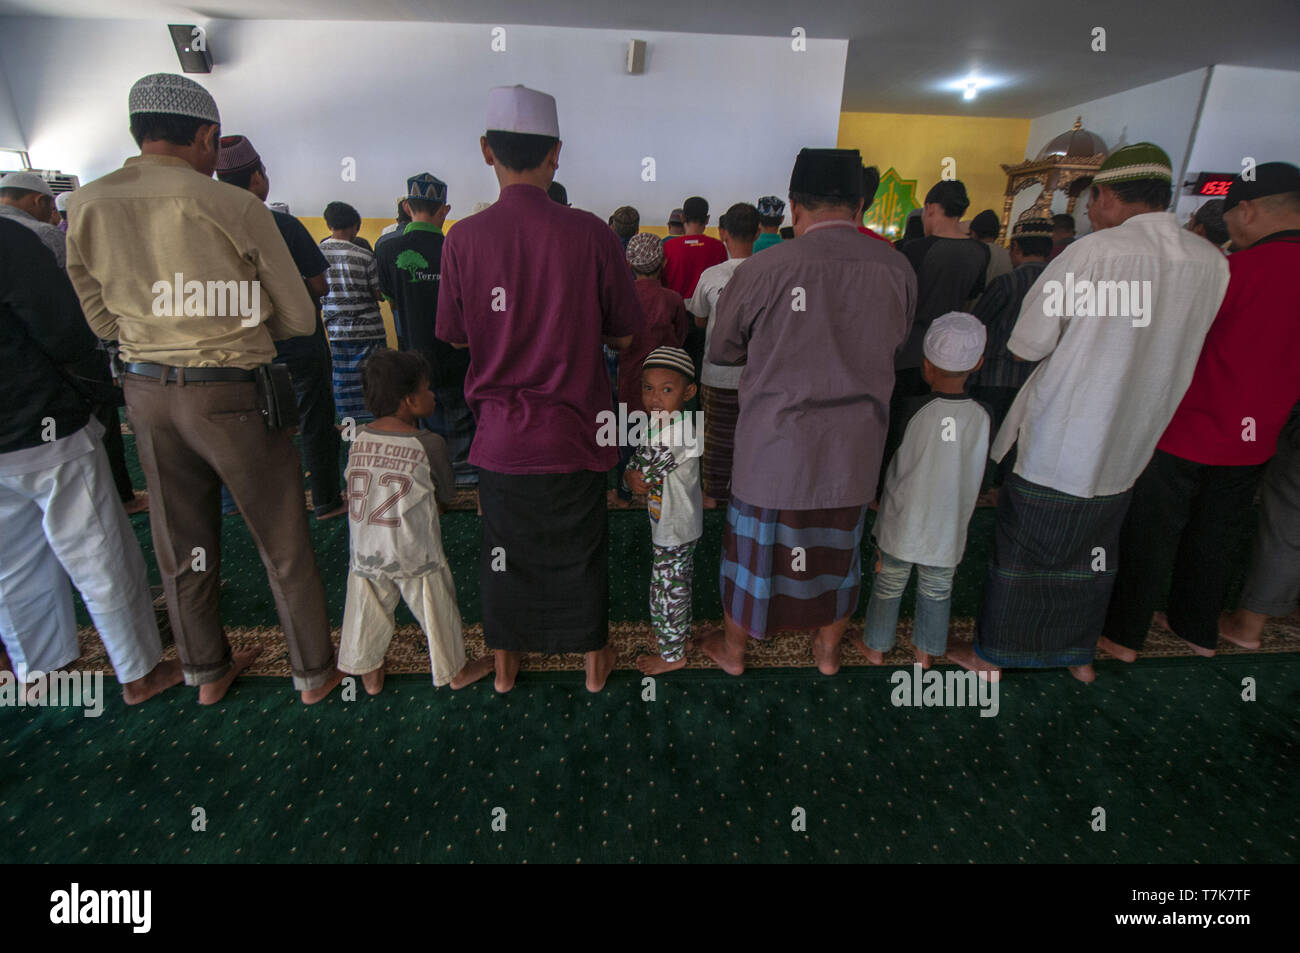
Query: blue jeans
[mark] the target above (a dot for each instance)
(933, 605)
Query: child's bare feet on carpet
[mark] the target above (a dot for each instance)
(1242, 628)
(374, 680)
(471, 672)
(318, 694)
(874, 657)
(1121, 652)
(728, 659)
(655, 664)
(924, 659)
(599, 664)
(507, 669)
(164, 676)
(213, 692)
(1084, 673)
(827, 652)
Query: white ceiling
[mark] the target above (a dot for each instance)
(900, 52)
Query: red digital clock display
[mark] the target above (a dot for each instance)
(1213, 183)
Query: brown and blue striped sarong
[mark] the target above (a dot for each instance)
(1047, 589)
(767, 585)
(721, 410)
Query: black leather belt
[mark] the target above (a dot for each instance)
(164, 373)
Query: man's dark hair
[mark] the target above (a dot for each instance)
(558, 193)
(520, 151)
(425, 206)
(695, 209)
(388, 376)
(815, 203)
(240, 179)
(1153, 193)
(1032, 246)
(403, 216)
(950, 195)
(870, 184)
(985, 224)
(341, 215)
(1063, 221)
(787, 232)
(166, 127)
(740, 221)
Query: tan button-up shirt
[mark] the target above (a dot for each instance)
(164, 260)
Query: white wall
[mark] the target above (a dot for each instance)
(723, 116)
(11, 133)
(1248, 112)
(1162, 112)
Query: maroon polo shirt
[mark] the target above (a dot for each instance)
(531, 286)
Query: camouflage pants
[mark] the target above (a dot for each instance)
(671, 576)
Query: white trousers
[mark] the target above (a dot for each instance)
(66, 520)
(368, 621)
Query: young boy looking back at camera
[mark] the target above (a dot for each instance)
(398, 478)
(667, 468)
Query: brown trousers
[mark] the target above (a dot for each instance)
(192, 437)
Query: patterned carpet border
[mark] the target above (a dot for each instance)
(408, 653)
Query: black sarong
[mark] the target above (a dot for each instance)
(544, 569)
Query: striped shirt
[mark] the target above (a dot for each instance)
(351, 309)
(998, 308)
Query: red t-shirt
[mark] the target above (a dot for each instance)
(1249, 365)
(686, 257)
(531, 286)
(665, 326)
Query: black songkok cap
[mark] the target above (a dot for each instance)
(1271, 178)
(832, 173)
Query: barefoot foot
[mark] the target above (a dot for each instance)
(827, 653)
(507, 670)
(1084, 673)
(924, 659)
(163, 677)
(213, 692)
(1238, 628)
(599, 664)
(963, 653)
(373, 681)
(655, 664)
(471, 672)
(727, 658)
(873, 656)
(1121, 652)
(318, 694)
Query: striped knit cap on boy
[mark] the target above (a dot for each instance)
(1140, 161)
(674, 359)
(645, 253)
(172, 95)
(237, 155)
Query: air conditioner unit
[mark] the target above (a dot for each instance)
(56, 180)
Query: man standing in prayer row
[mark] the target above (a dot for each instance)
(27, 199)
(58, 517)
(307, 356)
(1194, 498)
(985, 227)
(675, 227)
(816, 323)
(532, 288)
(625, 221)
(351, 308)
(685, 260)
(409, 268)
(719, 393)
(771, 213)
(1062, 233)
(190, 383)
(1113, 371)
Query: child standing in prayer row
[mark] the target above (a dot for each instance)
(398, 477)
(667, 468)
(930, 491)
